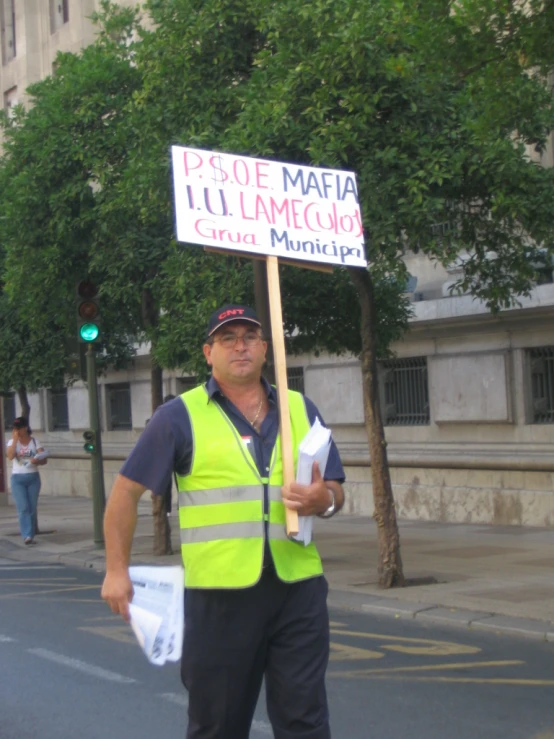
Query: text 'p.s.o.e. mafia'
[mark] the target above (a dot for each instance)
(264, 207)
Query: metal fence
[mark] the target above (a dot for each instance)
(9, 411)
(59, 412)
(404, 392)
(540, 362)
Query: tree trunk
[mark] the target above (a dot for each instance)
(162, 529)
(156, 386)
(24, 401)
(390, 563)
(162, 532)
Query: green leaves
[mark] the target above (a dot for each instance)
(437, 107)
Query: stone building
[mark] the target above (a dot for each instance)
(468, 399)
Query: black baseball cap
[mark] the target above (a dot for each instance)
(20, 423)
(229, 313)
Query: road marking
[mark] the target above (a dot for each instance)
(431, 650)
(262, 727)
(77, 664)
(33, 567)
(4, 638)
(427, 668)
(51, 591)
(54, 581)
(181, 699)
(340, 652)
(120, 633)
(468, 680)
(431, 647)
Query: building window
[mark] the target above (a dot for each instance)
(404, 392)
(540, 366)
(10, 101)
(9, 410)
(58, 412)
(118, 398)
(186, 383)
(59, 14)
(295, 378)
(7, 29)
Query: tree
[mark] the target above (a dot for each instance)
(434, 105)
(49, 184)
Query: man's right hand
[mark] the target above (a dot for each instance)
(117, 591)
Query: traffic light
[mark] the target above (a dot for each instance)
(75, 359)
(90, 445)
(88, 312)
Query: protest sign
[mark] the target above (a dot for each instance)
(267, 207)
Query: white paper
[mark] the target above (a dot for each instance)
(157, 611)
(314, 447)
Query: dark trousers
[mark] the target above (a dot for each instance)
(235, 638)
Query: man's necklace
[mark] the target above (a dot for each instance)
(252, 423)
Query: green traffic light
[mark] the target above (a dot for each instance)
(90, 441)
(89, 332)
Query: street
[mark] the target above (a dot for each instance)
(70, 668)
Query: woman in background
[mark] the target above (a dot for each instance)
(26, 455)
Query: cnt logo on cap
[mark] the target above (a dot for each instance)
(232, 312)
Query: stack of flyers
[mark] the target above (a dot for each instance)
(157, 611)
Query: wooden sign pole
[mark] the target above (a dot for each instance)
(276, 315)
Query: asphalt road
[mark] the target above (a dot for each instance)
(69, 668)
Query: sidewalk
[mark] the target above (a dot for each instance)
(498, 578)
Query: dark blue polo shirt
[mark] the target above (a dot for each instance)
(166, 443)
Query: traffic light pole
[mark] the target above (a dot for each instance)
(97, 467)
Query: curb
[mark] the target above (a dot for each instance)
(341, 599)
(445, 616)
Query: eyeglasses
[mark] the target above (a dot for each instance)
(229, 341)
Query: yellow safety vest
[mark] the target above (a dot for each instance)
(221, 503)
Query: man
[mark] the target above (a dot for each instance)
(255, 602)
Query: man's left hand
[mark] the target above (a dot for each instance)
(308, 500)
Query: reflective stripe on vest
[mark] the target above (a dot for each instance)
(226, 495)
(221, 503)
(230, 531)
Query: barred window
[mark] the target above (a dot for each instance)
(59, 416)
(295, 378)
(59, 14)
(118, 398)
(540, 364)
(8, 402)
(404, 392)
(7, 29)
